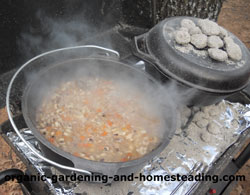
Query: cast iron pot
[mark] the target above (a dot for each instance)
(202, 81)
(50, 69)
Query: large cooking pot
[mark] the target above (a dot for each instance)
(49, 69)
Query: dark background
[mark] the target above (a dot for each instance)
(30, 17)
(26, 16)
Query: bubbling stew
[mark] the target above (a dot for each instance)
(99, 119)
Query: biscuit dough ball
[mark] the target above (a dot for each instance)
(199, 40)
(187, 23)
(209, 27)
(214, 42)
(183, 29)
(223, 32)
(217, 54)
(234, 51)
(182, 37)
(195, 30)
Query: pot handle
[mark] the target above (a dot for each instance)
(246, 91)
(108, 51)
(140, 49)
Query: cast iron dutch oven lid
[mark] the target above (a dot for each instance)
(190, 69)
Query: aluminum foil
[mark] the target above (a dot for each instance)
(205, 134)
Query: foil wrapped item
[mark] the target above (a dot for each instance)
(205, 134)
(203, 139)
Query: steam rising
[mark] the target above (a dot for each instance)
(164, 99)
(155, 99)
(50, 33)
